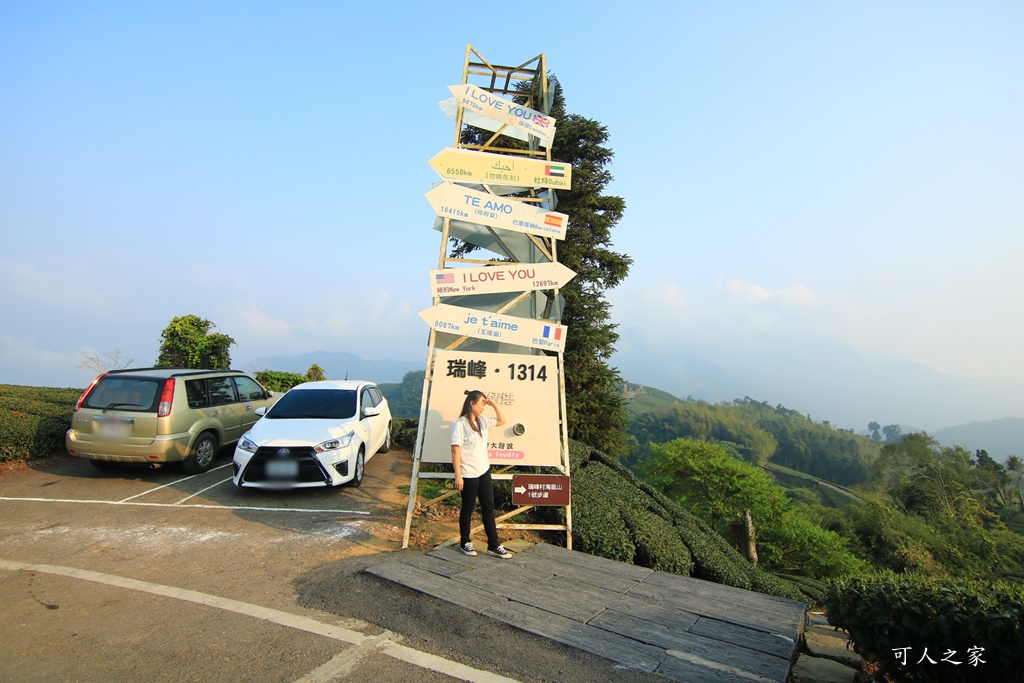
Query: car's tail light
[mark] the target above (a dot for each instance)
(166, 398)
(81, 399)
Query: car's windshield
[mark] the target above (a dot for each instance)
(315, 404)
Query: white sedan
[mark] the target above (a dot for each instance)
(317, 434)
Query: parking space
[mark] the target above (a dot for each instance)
(70, 481)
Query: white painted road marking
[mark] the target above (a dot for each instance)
(387, 646)
(177, 505)
(224, 481)
(173, 483)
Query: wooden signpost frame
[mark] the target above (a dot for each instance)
(500, 80)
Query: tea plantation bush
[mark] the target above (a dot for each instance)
(33, 420)
(615, 515)
(887, 614)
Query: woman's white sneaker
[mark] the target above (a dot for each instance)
(499, 552)
(467, 549)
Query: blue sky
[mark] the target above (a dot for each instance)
(842, 171)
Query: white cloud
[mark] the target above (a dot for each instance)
(23, 361)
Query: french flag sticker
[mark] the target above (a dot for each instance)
(552, 332)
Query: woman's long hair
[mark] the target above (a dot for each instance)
(467, 408)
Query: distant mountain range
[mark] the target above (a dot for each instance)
(819, 377)
(336, 365)
(822, 378)
(999, 437)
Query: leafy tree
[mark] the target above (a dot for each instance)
(187, 342)
(893, 433)
(874, 428)
(596, 409)
(315, 373)
(110, 360)
(279, 380)
(704, 479)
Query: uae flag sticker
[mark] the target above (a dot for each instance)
(554, 171)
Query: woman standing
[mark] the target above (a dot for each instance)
(473, 471)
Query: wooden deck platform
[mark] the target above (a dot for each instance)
(681, 628)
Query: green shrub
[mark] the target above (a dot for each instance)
(658, 545)
(33, 420)
(278, 380)
(403, 432)
(885, 615)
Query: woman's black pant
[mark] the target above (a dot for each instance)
(482, 488)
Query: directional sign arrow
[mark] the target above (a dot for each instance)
(455, 201)
(505, 111)
(450, 107)
(520, 489)
(507, 329)
(502, 277)
(500, 169)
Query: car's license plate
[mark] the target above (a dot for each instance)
(282, 469)
(114, 427)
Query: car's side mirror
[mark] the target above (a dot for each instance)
(261, 411)
(370, 412)
(268, 394)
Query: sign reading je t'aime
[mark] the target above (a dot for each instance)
(461, 203)
(524, 387)
(505, 111)
(498, 327)
(501, 277)
(465, 166)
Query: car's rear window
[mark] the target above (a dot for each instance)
(315, 404)
(137, 394)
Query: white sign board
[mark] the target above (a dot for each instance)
(450, 108)
(505, 111)
(461, 203)
(507, 329)
(466, 166)
(501, 277)
(524, 387)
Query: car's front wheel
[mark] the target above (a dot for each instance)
(357, 480)
(204, 450)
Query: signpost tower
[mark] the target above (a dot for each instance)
(494, 322)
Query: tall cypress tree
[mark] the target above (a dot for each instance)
(596, 409)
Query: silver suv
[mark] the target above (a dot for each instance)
(161, 415)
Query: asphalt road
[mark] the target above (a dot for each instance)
(155, 575)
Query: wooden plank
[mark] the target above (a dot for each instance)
(731, 593)
(436, 565)
(592, 562)
(597, 641)
(778, 644)
(436, 586)
(680, 666)
(568, 605)
(681, 621)
(706, 603)
(575, 572)
(704, 648)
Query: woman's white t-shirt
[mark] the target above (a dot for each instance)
(473, 446)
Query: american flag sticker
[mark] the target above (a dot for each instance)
(554, 171)
(552, 332)
(444, 279)
(552, 220)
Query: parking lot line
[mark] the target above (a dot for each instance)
(388, 647)
(223, 481)
(194, 505)
(173, 483)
